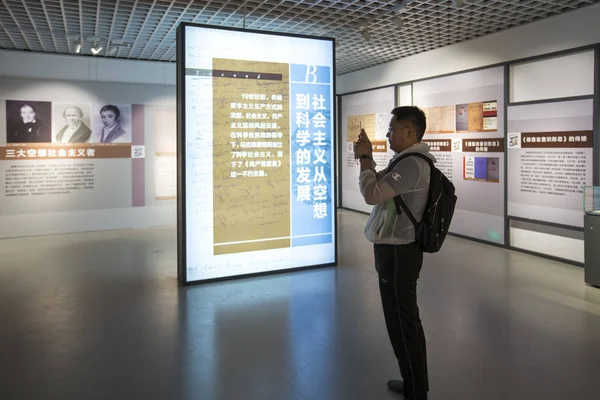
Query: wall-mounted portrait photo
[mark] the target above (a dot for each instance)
(71, 123)
(112, 123)
(28, 121)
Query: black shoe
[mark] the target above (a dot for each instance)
(396, 385)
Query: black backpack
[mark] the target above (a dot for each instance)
(431, 231)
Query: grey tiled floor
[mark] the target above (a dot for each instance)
(100, 316)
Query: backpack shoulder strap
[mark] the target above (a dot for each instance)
(398, 202)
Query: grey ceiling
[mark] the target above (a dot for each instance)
(145, 29)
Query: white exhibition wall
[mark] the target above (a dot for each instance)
(19, 64)
(570, 75)
(542, 79)
(538, 80)
(558, 198)
(125, 185)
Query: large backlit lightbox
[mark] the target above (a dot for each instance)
(256, 152)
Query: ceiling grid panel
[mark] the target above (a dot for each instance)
(145, 29)
(154, 31)
(129, 24)
(50, 28)
(112, 25)
(5, 34)
(171, 32)
(169, 54)
(17, 23)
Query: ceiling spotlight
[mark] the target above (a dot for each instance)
(458, 3)
(398, 21)
(74, 44)
(112, 50)
(96, 49)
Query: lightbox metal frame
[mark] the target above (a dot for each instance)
(181, 165)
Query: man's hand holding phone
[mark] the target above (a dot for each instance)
(363, 146)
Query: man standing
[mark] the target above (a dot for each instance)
(398, 258)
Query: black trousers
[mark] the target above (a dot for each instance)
(399, 267)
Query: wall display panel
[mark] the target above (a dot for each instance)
(550, 160)
(161, 155)
(258, 156)
(165, 153)
(73, 159)
(405, 95)
(552, 78)
(370, 109)
(465, 125)
(72, 172)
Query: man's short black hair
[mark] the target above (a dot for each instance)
(413, 114)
